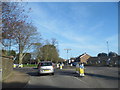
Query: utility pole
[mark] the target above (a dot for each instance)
(108, 47)
(67, 52)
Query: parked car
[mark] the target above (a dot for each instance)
(45, 67)
(17, 65)
(74, 63)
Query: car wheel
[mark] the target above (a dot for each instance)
(52, 73)
(38, 74)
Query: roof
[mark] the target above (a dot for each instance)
(45, 61)
(83, 55)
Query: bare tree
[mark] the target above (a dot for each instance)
(12, 16)
(16, 26)
(54, 41)
(24, 37)
(36, 51)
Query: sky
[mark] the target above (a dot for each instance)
(83, 27)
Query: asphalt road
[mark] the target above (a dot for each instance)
(95, 77)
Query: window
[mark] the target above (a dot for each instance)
(46, 64)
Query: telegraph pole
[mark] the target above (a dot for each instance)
(107, 47)
(67, 52)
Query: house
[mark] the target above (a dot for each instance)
(104, 61)
(92, 61)
(82, 58)
(98, 61)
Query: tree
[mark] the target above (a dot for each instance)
(18, 27)
(112, 54)
(25, 60)
(11, 53)
(54, 42)
(49, 53)
(12, 16)
(25, 39)
(102, 55)
(36, 51)
(60, 60)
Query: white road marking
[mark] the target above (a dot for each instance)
(81, 81)
(27, 84)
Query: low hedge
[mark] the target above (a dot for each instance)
(29, 65)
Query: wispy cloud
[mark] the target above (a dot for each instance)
(74, 26)
(78, 48)
(96, 27)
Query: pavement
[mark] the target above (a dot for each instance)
(15, 80)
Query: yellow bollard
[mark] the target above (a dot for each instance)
(21, 65)
(57, 65)
(60, 66)
(81, 71)
(14, 65)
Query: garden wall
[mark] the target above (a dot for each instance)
(7, 67)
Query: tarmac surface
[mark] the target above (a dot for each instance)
(95, 77)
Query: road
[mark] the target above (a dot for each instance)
(95, 77)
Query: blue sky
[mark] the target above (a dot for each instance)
(80, 26)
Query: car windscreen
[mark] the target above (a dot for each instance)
(46, 64)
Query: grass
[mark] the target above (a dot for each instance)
(30, 65)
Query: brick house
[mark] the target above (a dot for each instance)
(103, 61)
(82, 58)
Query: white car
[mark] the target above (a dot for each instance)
(45, 67)
(17, 65)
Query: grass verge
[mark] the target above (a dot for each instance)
(29, 65)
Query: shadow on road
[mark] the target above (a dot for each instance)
(57, 72)
(21, 86)
(40, 86)
(13, 85)
(32, 73)
(36, 74)
(102, 76)
(67, 73)
(73, 73)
